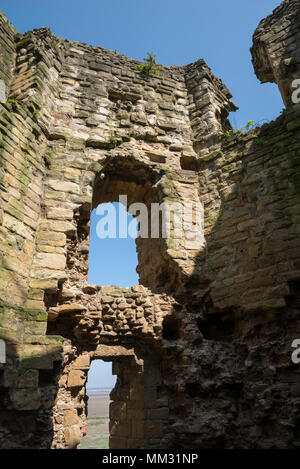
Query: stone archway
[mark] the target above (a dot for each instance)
(123, 325)
(224, 350)
(127, 410)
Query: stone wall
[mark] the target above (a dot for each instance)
(104, 325)
(7, 55)
(275, 50)
(202, 347)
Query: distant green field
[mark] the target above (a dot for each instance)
(98, 434)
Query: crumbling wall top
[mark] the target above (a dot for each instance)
(276, 45)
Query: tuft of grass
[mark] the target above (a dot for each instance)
(113, 140)
(150, 65)
(251, 124)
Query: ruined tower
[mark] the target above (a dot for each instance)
(202, 347)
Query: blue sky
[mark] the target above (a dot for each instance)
(178, 32)
(112, 261)
(100, 375)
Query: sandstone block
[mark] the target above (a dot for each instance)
(82, 363)
(28, 379)
(50, 260)
(36, 357)
(52, 238)
(3, 97)
(139, 118)
(48, 276)
(70, 417)
(76, 379)
(73, 436)
(71, 307)
(16, 226)
(59, 213)
(64, 186)
(57, 225)
(107, 299)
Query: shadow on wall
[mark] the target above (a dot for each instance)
(240, 292)
(28, 388)
(249, 214)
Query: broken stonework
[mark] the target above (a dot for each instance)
(202, 347)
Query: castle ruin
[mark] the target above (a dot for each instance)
(202, 346)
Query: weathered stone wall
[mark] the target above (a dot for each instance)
(104, 325)
(202, 347)
(7, 55)
(275, 50)
(249, 188)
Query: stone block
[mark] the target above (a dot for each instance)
(64, 186)
(76, 379)
(73, 436)
(82, 363)
(16, 226)
(71, 417)
(35, 327)
(25, 399)
(48, 275)
(67, 308)
(28, 379)
(57, 225)
(58, 213)
(37, 357)
(52, 238)
(44, 284)
(50, 260)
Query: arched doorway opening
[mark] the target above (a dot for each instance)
(117, 324)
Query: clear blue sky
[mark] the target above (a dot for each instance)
(178, 32)
(100, 375)
(112, 261)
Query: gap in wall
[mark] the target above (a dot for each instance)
(99, 385)
(264, 106)
(112, 261)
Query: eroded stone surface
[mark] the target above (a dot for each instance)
(2, 92)
(202, 347)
